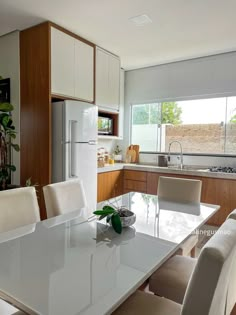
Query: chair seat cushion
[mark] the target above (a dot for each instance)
(141, 303)
(171, 279)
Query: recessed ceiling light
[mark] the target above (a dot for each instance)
(140, 20)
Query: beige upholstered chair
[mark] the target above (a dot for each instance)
(179, 189)
(7, 309)
(232, 289)
(208, 289)
(64, 197)
(172, 278)
(18, 207)
(184, 191)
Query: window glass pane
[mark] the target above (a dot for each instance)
(201, 128)
(145, 126)
(230, 130)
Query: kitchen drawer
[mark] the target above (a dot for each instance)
(136, 175)
(134, 185)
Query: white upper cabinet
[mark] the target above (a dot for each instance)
(72, 66)
(84, 71)
(107, 80)
(62, 63)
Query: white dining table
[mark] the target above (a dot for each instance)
(69, 265)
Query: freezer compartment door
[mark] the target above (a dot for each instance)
(81, 121)
(81, 163)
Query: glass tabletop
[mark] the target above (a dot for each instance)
(69, 265)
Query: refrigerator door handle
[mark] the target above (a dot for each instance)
(72, 159)
(92, 142)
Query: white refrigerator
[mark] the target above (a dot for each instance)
(74, 146)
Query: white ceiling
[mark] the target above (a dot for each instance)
(181, 29)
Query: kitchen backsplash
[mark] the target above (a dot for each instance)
(201, 160)
(108, 144)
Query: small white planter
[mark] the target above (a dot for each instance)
(118, 157)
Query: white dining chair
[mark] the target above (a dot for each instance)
(172, 279)
(64, 197)
(183, 191)
(8, 309)
(207, 292)
(18, 207)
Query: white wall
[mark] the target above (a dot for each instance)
(190, 79)
(10, 68)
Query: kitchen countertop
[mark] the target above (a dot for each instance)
(157, 169)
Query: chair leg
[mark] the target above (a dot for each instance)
(193, 252)
(233, 310)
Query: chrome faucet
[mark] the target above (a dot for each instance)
(181, 153)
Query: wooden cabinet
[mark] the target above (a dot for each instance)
(221, 192)
(107, 80)
(72, 66)
(135, 181)
(110, 184)
(47, 55)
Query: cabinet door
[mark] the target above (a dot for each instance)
(102, 63)
(114, 82)
(110, 184)
(84, 71)
(62, 63)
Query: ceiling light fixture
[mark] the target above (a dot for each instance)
(140, 20)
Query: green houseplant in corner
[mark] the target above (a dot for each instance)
(7, 134)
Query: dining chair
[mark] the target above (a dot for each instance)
(207, 291)
(18, 207)
(184, 191)
(64, 197)
(171, 280)
(8, 309)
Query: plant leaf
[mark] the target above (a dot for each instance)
(109, 218)
(109, 208)
(15, 147)
(6, 107)
(102, 212)
(102, 216)
(11, 167)
(116, 223)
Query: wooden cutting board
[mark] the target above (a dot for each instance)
(133, 151)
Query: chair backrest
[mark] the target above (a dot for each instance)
(18, 207)
(232, 215)
(208, 288)
(179, 189)
(231, 301)
(64, 197)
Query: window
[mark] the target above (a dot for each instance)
(202, 126)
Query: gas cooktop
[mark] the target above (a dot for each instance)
(223, 169)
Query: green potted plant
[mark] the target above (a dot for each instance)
(7, 134)
(118, 217)
(117, 154)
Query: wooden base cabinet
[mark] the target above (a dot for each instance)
(135, 181)
(214, 191)
(221, 192)
(110, 184)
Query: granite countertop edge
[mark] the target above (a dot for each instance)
(158, 169)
